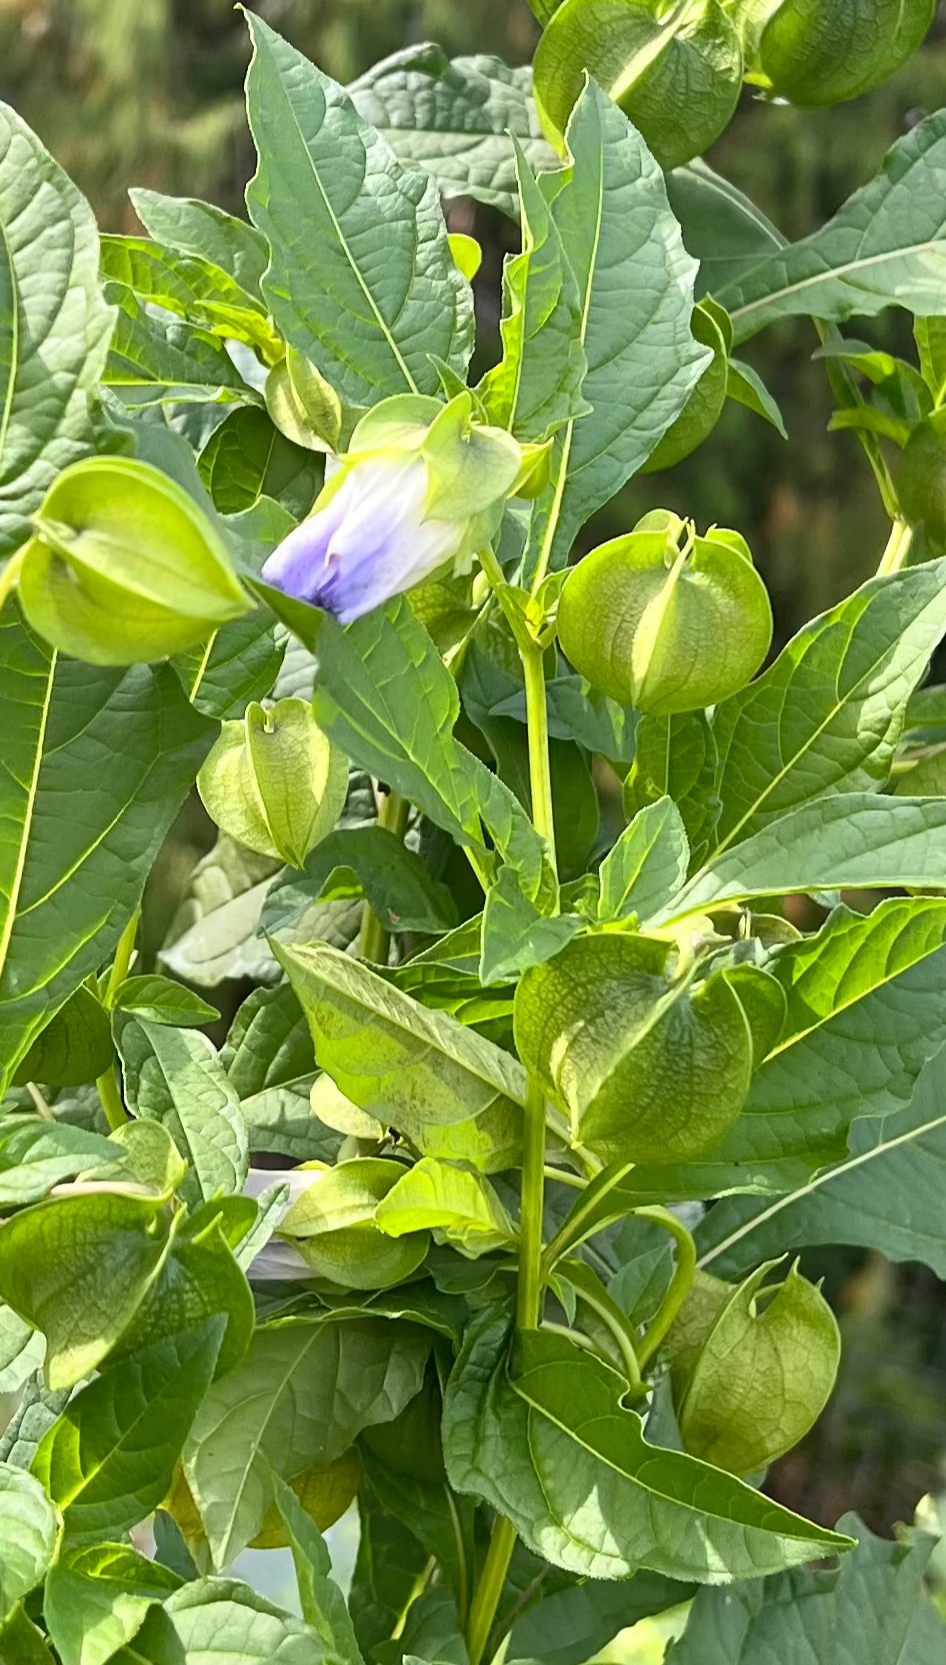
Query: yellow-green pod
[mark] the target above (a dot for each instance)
(666, 622)
(124, 567)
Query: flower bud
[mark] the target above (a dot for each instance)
(751, 1368)
(817, 52)
(124, 566)
(421, 484)
(274, 782)
(664, 621)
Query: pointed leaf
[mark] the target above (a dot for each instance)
(175, 1077)
(69, 885)
(29, 1536)
(384, 294)
(647, 864)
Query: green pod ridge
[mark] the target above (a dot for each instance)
(647, 1067)
(124, 566)
(665, 623)
(678, 78)
(752, 1367)
(333, 1227)
(819, 52)
(274, 782)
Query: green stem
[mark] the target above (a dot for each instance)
(121, 965)
(843, 384)
(897, 551)
(615, 1322)
(537, 716)
(110, 1094)
(561, 1176)
(680, 1283)
(529, 1305)
(375, 940)
(586, 1217)
(490, 1587)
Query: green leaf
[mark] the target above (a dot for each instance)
(536, 387)
(644, 1066)
(746, 386)
(157, 999)
(385, 697)
(201, 229)
(722, 228)
(885, 246)
(389, 1054)
(369, 860)
(199, 1281)
(29, 1536)
(215, 933)
(109, 1459)
(887, 1195)
(457, 121)
(191, 287)
(36, 1155)
(96, 1599)
(461, 1208)
(647, 864)
(269, 1058)
(25, 1642)
(240, 663)
(69, 884)
(74, 1048)
(828, 715)
(384, 293)
(54, 336)
(36, 1412)
(930, 334)
(78, 1268)
(515, 934)
(155, 359)
(635, 283)
(323, 1605)
(855, 841)
(390, 1560)
(876, 1591)
(226, 1621)
(865, 1012)
(553, 1449)
(303, 1392)
(247, 458)
(175, 1077)
(676, 757)
(21, 1351)
(569, 1626)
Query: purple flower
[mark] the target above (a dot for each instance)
(368, 537)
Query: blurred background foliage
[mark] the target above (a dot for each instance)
(149, 92)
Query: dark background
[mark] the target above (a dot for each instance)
(149, 92)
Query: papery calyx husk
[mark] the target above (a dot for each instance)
(124, 566)
(665, 620)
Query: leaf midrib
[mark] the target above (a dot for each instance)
(6, 934)
(817, 1182)
(838, 274)
(343, 242)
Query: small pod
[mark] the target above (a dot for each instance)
(274, 781)
(666, 622)
(751, 1367)
(124, 567)
(819, 52)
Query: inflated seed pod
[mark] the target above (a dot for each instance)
(124, 566)
(751, 1366)
(332, 1226)
(274, 782)
(817, 52)
(664, 620)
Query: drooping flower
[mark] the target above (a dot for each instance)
(421, 484)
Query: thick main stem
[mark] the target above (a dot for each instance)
(490, 1587)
